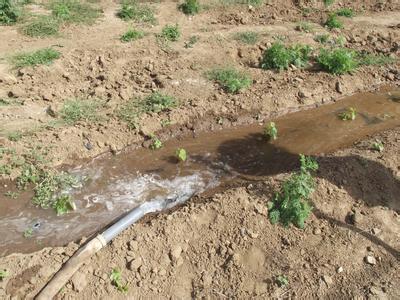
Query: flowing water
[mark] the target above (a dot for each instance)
(114, 185)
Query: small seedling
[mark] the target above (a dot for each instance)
(378, 146)
(348, 115)
(3, 274)
(28, 233)
(131, 35)
(270, 131)
(337, 61)
(280, 57)
(192, 40)
(333, 22)
(171, 33)
(10, 194)
(247, 37)
(44, 56)
(116, 277)
(155, 143)
(231, 80)
(345, 12)
(181, 154)
(190, 7)
(157, 102)
(63, 204)
(282, 280)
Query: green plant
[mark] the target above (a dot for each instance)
(345, 12)
(73, 11)
(155, 143)
(80, 110)
(282, 280)
(304, 27)
(63, 204)
(12, 195)
(181, 154)
(8, 12)
(171, 33)
(192, 40)
(378, 146)
(290, 204)
(280, 57)
(116, 277)
(29, 174)
(333, 22)
(41, 26)
(190, 7)
(348, 115)
(130, 113)
(28, 233)
(247, 37)
(368, 59)
(3, 274)
(270, 131)
(132, 10)
(15, 136)
(328, 2)
(39, 57)
(337, 61)
(230, 79)
(131, 35)
(157, 102)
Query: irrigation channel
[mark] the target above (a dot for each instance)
(114, 185)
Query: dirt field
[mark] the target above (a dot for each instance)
(222, 245)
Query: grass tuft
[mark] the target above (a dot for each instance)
(231, 80)
(171, 33)
(41, 26)
(39, 57)
(333, 22)
(74, 111)
(9, 13)
(345, 12)
(73, 11)
(337, 61)
(247, 37)
(279, 57)
(132, 10)
(131, 35)
(190, 7)
(368, 59)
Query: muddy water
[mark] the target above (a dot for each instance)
(112, 186)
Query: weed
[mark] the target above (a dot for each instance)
(170, 33)
(155, 143)
(333, 22)
(130, 113)
(348, 115)
(322, 38)
(131, 35)
(41, 26)
(63, 204)
(79, 110)
(282, 280)
(181, 154)
(345, 12)
(28, 233)
(116, 277)
(12, 195)
(29, 174)
(340, 41)
(73, 11)
(247, 37)
(131, 10)
(368, 59)
(305, 27)
(190, 7)
(280, 57)
(192, 40)
(378, 146)
(270, 131)
(231, 80)
(157, 102)
(3, 274)
(290, 204)
(39, 57)
(337, 61)
(242, 2)
(8, 12)
(14, 136)
(328, 2)
(5, 169)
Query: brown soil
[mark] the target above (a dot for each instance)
(221, 246)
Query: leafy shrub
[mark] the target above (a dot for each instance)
(171, 33)
(8, 12)
(345, 12)
(279, 57)
(131, 10)
(40, 57)
(131, 35)
(157, 102)
(333, 22)
(79, 110)
(337, 61)
(190, 7)
(247, 37)
(290, 204)
(230, 79)
(41, 26)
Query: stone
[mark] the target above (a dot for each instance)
(375, 231)
(79, 281)
(134, 264)
(317, 231)
(339, 87)
(339, 270)
(133, 245)
(327, 279)
(175, 253)
(370, 260)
